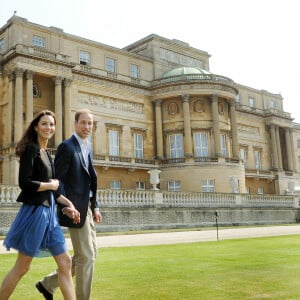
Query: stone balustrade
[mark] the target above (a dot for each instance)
(125, 210)
(148, 198)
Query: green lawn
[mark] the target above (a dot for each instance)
(256, 268)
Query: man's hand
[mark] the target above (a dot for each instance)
(97, 216)
(72, 213)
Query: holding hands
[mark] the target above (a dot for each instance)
(72, 213)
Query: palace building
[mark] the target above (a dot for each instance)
(156, 106)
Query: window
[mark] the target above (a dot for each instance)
(272, 104)
(38, 41)
(36, 91)
(114, 143)
(260, 190)
(257, 155)
(251, 102)
(134, 71)
(1, 44)
(208, 185)
(138, 145)
(85, 58)
(223, 145)
(110, 65)
(238, 98)
(243, 155)
(176, 146)
(115, 184)
(140, 185)
(201, 146)
(298, 143)
(174, 186)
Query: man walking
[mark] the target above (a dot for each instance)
(78, 182)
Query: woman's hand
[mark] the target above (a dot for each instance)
(72, 213)
(54, 184)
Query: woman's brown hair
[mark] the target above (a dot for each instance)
(30, 135)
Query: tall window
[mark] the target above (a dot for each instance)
(115, 184)
(176, 146)
(174, 186)
(223, 145)
(110, 65)
(257, 155)
(114, 149)
(38, 41)
(134, 71)
(208, 185)
(138, 145)
(1, 44)
(272, 104)
(201, 145)
(251, 102)
(85, 58)
(243, 155)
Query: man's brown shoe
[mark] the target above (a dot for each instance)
(42, 290)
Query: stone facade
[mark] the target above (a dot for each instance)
(156, 105)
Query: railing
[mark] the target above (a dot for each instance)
(41, 52)
(194, 77)
(149, 198)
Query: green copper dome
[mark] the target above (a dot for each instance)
(185, 71)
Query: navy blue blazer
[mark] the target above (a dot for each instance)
(76, 180)
(34, 169)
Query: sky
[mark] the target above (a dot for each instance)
(254, 42)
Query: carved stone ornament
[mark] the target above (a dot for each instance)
(199, 106)
(173, 108)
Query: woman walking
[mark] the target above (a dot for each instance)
(35, 231)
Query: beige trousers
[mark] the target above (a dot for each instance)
(85, 252)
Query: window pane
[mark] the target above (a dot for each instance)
(85, 58)
(1, 44)
(201, 145)
(138, 146)
(140, 185)
(174, 186)
(110, 65)
(243, 155)
(113, 142)
(115, 184)
(257, 160)
(134, 71)
(176, 146)
(38, 41)
(223, 145)
(208, 186)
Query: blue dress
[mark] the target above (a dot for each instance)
(36, 231)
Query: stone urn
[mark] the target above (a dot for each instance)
(154, 178)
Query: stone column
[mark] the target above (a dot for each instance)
(294, 161)
(288, 149)
(159, 130)
(235, 145)
(29, 97)
(216, 126)
(18, 121)
(10, 110)
(58, 110)
(67, 110)
(280, 167)
(274, 147)
(188, 152)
